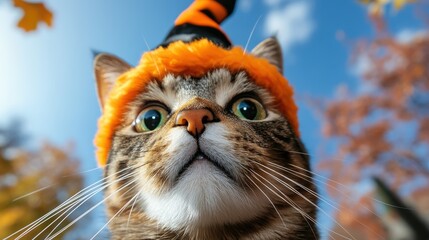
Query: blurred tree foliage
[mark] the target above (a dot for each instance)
(50, 174)
(377, 6)
(382, 130)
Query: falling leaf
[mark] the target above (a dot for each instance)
(34, 13)
(398, 4)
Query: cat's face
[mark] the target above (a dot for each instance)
(204, 155)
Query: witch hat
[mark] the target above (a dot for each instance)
(201, 20)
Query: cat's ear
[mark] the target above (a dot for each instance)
(271, 50)
(107, 69)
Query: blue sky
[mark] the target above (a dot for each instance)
(46, 76)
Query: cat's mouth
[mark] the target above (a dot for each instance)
(200, 156)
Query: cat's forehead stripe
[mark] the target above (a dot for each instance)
(219, 86)
(188, 59)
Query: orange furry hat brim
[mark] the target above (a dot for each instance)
(193, 59)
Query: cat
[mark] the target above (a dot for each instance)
(221, 175)
(200, 139)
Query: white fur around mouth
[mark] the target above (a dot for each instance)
(198, 158)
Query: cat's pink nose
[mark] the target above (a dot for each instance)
(194, 120)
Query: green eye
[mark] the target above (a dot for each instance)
(249, 109)
(150, 119)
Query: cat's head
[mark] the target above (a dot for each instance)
(199, 137)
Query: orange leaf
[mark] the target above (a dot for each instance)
(398, 4)
(34, 13)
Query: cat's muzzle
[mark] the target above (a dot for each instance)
(200, 156)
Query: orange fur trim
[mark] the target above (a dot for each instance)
(188, 59)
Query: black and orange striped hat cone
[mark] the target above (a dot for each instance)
(201, 20)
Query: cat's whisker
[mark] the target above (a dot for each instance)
(31, 193)
(326, 182)
(78, 203)
(289, 151)
(71, 205)
(309, 179)
(301, 195)
(118, 212)
(284, 197)
(251, 34)
(391, 205)
(342, 185)
(272, 204)
(65, 212)
(42, 219)
(329, 202)
(89, 210)
(305, 215)
(289, 201)
(132, 207)
(296, 152)
(46, 217)
(46, 187)
(86, 171)
(107, 184)
(150, 55)
(303, 177)
(39, 221)
(163, 183)
(326, 200)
